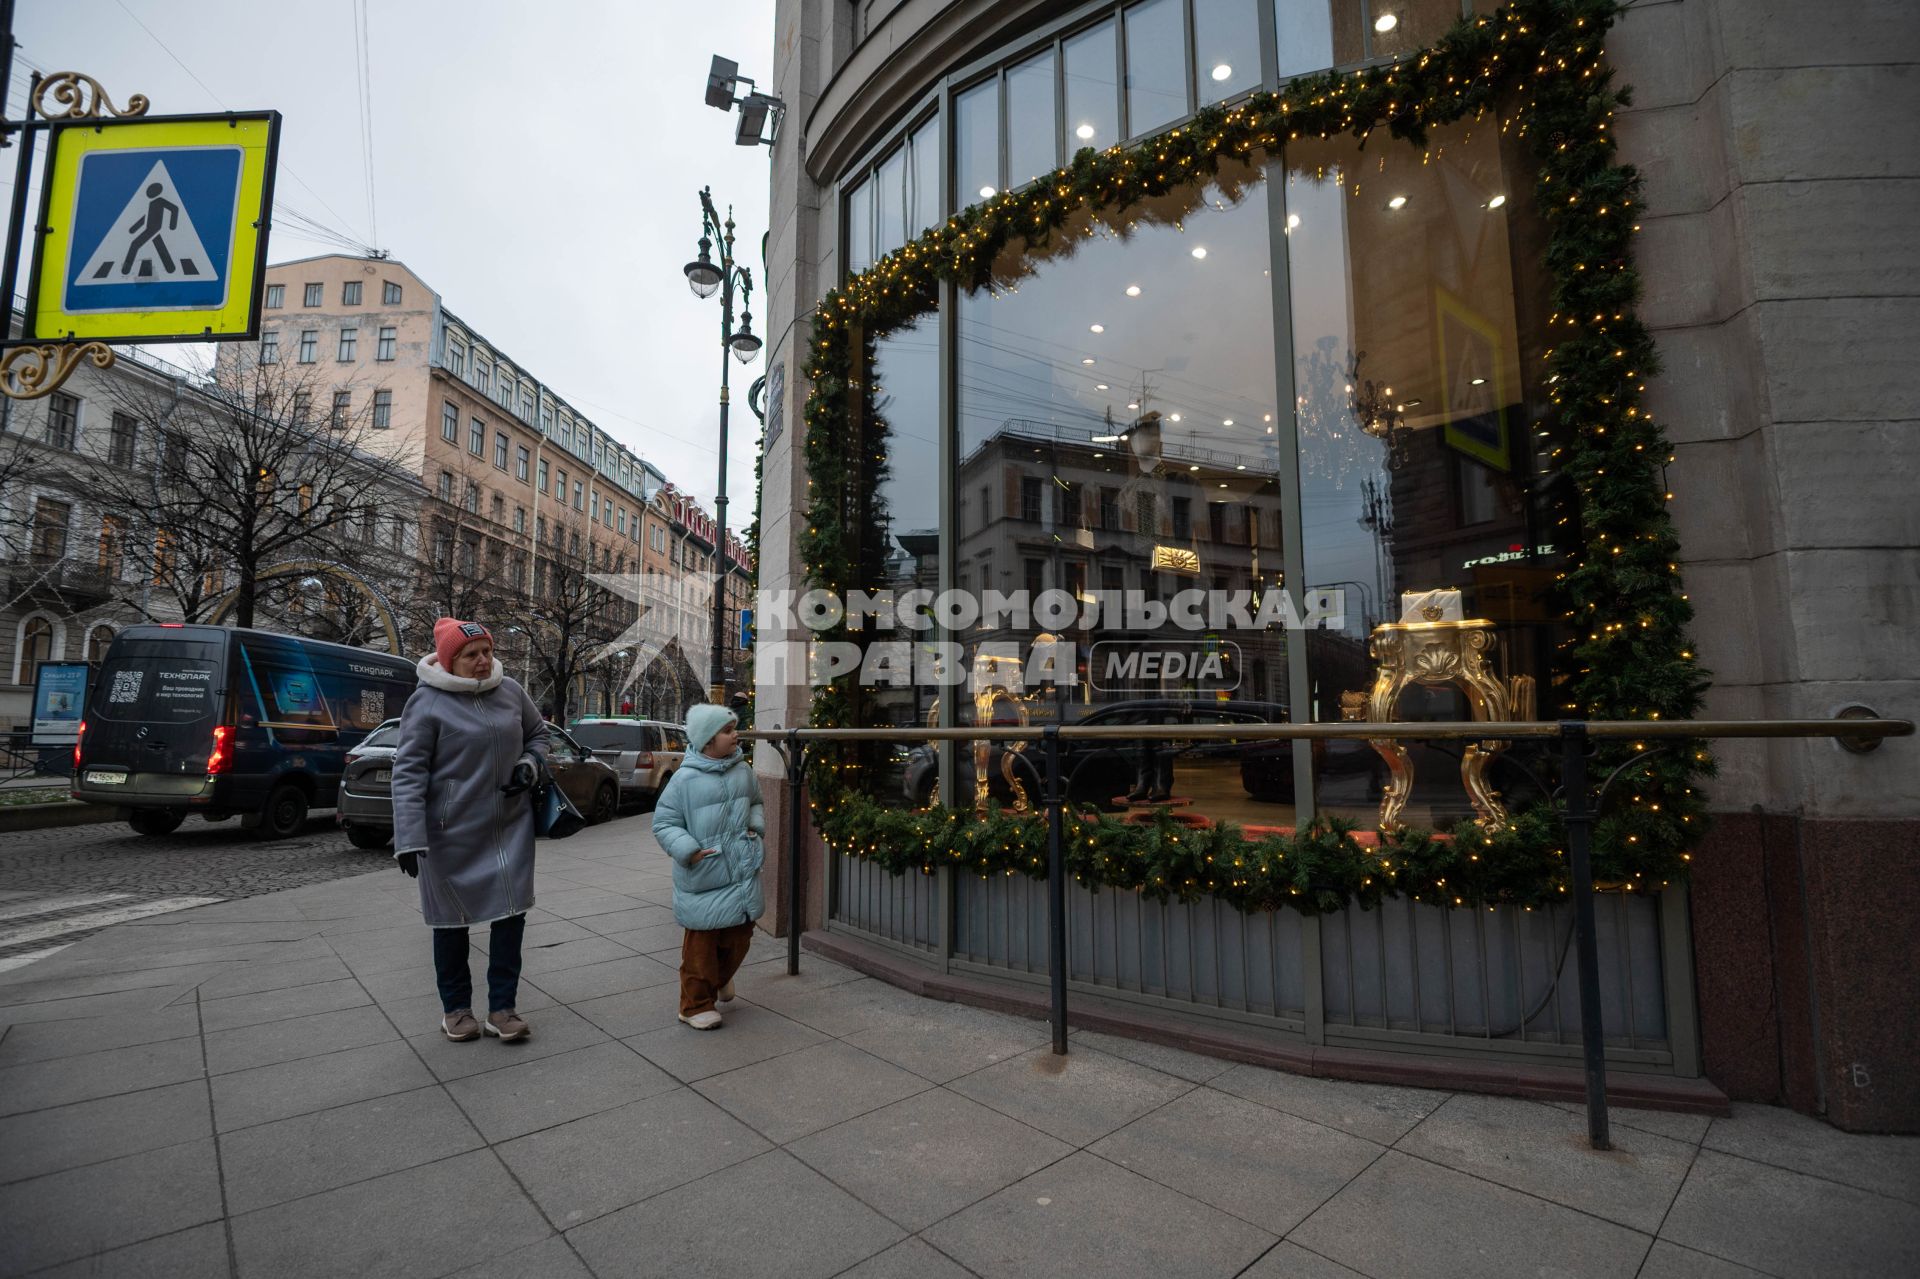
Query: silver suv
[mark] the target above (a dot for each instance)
(643, 752)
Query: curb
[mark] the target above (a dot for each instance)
(19, 817)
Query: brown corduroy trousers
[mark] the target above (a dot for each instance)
(709, 957)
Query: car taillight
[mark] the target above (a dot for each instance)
(353, 757)
(222, 756)
(643, 760)
(77, 742)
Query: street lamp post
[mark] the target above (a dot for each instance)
(704, 277)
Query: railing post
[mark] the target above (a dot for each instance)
(1056, 892)
(1579, 823)
(796, 778)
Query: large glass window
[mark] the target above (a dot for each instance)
(1032, 147)
(1156, 65)
(860, 228)
(976, 143)
(923, 179)
(1418, 299)
(1106, 406)
(889, 199)
(1093, 95)
(1226, 47)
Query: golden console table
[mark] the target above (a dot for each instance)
(1438, 653)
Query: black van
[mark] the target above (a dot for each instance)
(220, 721)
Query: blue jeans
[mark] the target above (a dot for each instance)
(503, 965)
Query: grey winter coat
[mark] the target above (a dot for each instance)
(713, 803)
(459, 741)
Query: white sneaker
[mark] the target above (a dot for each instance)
(708, 1020)
(726, 993)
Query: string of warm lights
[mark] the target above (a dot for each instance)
(1541, 63)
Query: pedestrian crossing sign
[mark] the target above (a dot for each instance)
(154, 230)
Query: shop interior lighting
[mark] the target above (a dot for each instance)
(1385, 23)
(1133, 290)
(986, 193)
(1479, 381)
(1199, 250)
(1096, 328)
(1084, 132)
(1398, 202)
(1087, 360)
(1496, 202)
(1293, 221)
(1099, 386)
(1174, 418)
(1223, 72)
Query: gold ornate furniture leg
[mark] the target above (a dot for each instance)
(1387, 687)
(1488, 697)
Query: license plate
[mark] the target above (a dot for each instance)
(101, 777)
(382, 774)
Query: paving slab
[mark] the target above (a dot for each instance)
(1177, 1062)
(1668, 1260)
(267, 1093)
(660, 940)
(108, 1205)
(108, 1004)
(593, 949)
(1078, 1098)
(591, 981)
(1378, 1112)
(270, 1042)
(928, 1156)
(1289, 1260)
(1661, 1123)
(632, 1012)
(272, 1163)
(634, 919)
(47, 1040)
(305, 1001)
(551, 1258)
(1543, 1151)
(788, 1097)
(837, 1010)
(959, 1042)
(38, 1085)
(554, 1030)
(1789, 1223)
(1081, 1216)
(1774, 1135)
(748, 1034)
(88, 1132)
(198, 1252)
(1268, 1168)
(909, 1259)
(585, 1169)
(782, 1220)
(547, 1091)
(423, 1221)
(1405, 1217)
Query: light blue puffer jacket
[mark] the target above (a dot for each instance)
(713, 803)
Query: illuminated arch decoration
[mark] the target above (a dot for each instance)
(389, 621)
(1541, 63)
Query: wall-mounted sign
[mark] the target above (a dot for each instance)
(154, 230)
(1178, 559)
(59, 700)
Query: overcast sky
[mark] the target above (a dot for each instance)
(538, 165)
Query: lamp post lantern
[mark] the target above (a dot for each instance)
(706, 277)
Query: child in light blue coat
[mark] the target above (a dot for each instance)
(710, 820)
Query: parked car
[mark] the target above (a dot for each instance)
(366, 789)
(1100, 772)
(366, 794)
(224, 721)
(644, 752)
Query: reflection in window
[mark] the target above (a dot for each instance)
(1074, 448)
(1031, 148)
(889, 197)
(1421, 284)
(1226, 48)
(1093, 97)
(1156, 66)
(860, 228)
(923, 179)
(1314, 35)
(976, 143)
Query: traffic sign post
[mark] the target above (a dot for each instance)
(153, 230)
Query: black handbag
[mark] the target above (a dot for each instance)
(554, 816)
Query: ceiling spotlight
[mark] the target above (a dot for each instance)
(1223, 72)
(1175, 418)
(1133, 290)
(986, 193)
(1496, 202)
(1193, 468)
(1099, 386)
(1293, 220)
(1413, 404)
(1223, 482)
(1133, 404)
(1398, 201)
(1087, 360)
(1241, 467)
(1096, 328)
(1099, 455)
(1385, 23)
(1199, 250)
(1084, 132)
(1479, 381)
(1267, 418)
(1227, 422)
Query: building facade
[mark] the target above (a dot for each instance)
(1324, 366)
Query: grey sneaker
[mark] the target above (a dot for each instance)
(459, 1025)
(506, 1025)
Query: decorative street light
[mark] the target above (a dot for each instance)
(705, 277)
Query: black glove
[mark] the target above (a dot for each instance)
(520, 781)
(410, 863)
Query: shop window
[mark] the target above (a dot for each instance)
(1156, 66)
(1032, 146)
(36, 646)
(860, 228)
(1093, 93)
(1226, 48)
(976, 143)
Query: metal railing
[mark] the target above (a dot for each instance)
(1579, 808)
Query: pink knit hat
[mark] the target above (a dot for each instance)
(450, 635)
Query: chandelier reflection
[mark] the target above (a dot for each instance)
(1373, 408)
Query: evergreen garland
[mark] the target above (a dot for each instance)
(1630, 658)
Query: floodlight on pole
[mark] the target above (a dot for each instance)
(756, 109)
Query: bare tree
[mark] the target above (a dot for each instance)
(252, 474)
(569, 618)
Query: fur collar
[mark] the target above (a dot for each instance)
(433, 675)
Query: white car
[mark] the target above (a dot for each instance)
(643, 752)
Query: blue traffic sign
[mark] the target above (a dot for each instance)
(153, 229)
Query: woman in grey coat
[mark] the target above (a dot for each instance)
(471, 745)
